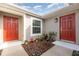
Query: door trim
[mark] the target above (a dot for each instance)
(4, 24)
(74, 29)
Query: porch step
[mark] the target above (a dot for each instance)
(67, 45)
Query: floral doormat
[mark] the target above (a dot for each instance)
(37, 48)
(75, 53)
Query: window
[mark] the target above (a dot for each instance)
(36, 26)
(36, 30)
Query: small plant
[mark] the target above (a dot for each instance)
(26, 42)
(45, 36)
(48, 37)
(40, 38)
(36, 40)
(52, 36)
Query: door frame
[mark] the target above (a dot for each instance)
(3, 27)
(60, 29)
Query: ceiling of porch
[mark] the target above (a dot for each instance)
(42, 8)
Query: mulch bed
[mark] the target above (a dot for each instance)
(1, 52)
(37, 48)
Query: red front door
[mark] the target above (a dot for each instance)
(67, 28)
(10, 26)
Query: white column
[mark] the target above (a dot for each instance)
(24, 21)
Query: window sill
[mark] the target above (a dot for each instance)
(36, 34)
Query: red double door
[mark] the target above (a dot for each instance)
(10, 27)
(67, 28)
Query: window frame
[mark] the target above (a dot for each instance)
(35, 34)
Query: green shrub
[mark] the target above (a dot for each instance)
(52, 36)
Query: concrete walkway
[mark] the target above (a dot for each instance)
(14, 51)
(19, 51)
(58, 51)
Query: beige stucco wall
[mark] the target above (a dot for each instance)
(50, 25)
(77, 27)
(1, 29)
(21, 28)
(27, 27)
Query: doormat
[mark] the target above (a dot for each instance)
(75, 53)
(1, 52)
(37, 48)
